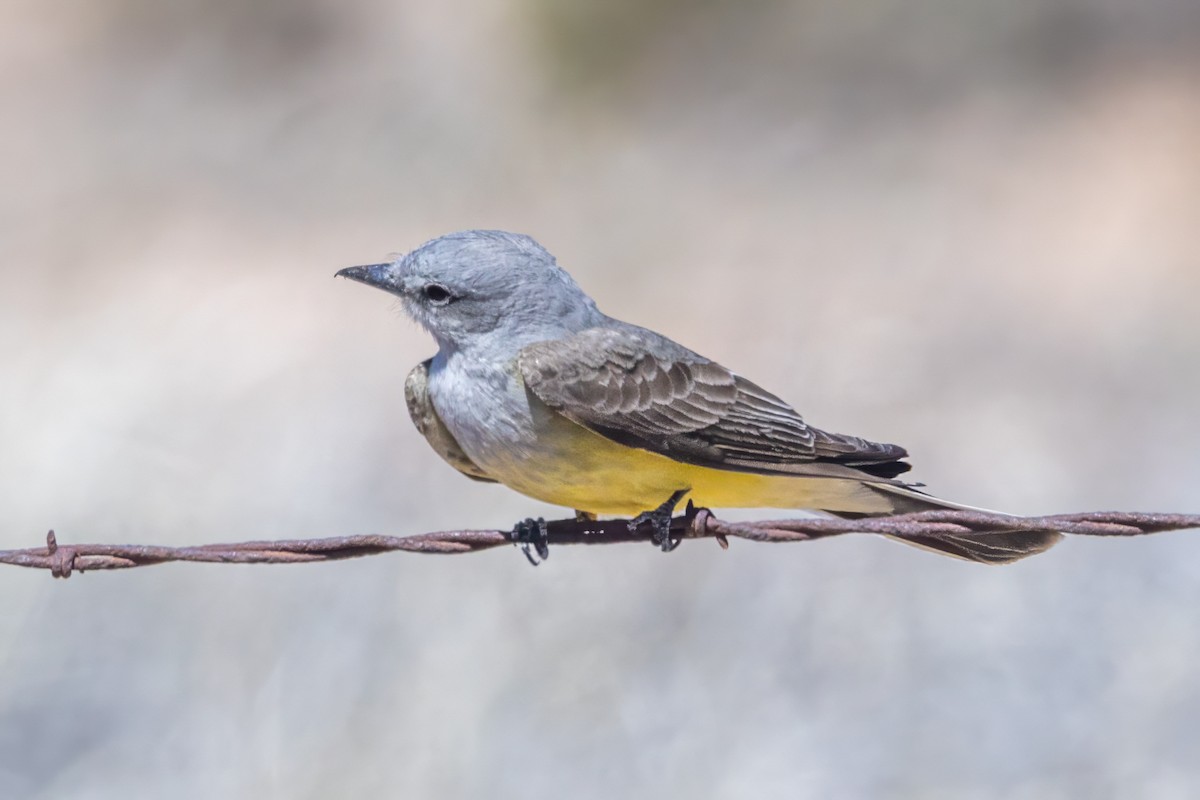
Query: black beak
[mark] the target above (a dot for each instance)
(377, 275)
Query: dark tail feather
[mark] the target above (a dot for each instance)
(990, 548)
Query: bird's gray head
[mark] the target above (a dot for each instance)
(472, 287)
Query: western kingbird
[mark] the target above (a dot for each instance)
(535, 388)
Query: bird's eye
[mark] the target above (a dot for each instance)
(437, 294)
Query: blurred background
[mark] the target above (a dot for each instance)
(967, 227)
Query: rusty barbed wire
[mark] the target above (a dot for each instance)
(696, 523)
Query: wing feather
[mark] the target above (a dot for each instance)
(641, 389)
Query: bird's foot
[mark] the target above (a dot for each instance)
(532, 535)
(584, 516)
(660, 518)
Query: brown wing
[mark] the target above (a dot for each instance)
(424, 416)
(641, 389)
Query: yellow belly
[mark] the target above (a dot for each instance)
(579, 469)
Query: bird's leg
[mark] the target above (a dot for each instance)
(661, 519)
(584, 516)
(532, 533)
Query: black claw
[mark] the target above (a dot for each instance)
(532, 533)
(660, 518)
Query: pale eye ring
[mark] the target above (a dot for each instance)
(437, 294)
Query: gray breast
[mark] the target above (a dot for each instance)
(485, 406)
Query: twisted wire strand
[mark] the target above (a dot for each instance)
(697, 523)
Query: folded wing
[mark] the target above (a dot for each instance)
(643, 390)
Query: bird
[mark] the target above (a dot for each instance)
(535, 388)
